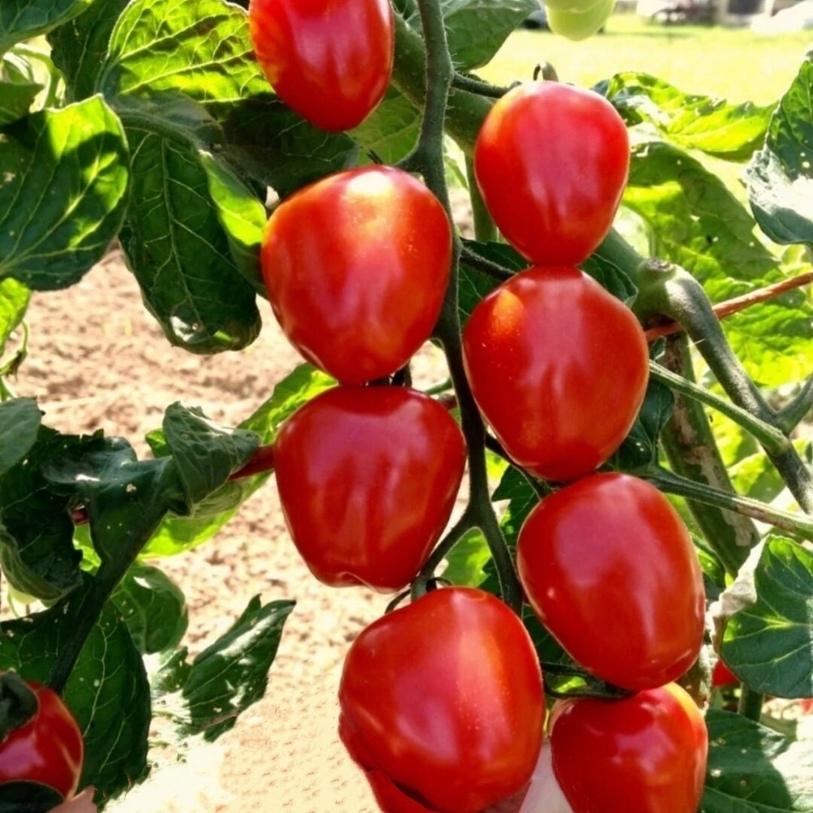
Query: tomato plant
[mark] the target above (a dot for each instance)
(597, 383)
(644, 754)
(330, 60)
(367, 479)
(44, 745)
(353, 286)
(457, 724)
(551, 162)
(610, 569)
(544, 354)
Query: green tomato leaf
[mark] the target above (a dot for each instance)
(36, 532)
(475, 29)
(25, 19)
(756, 477)
(466, 562)
(698, 224)
(153, 607)
(203, 51)
(125, 498)
(242, 218)
(19, 427)
(107, 691)
(79, 47)
(694, 122)
(391, 131)
(176, 245)
(780, 178)
(639, 449)
(205, 454)
(177, 534)
(14, 297)
(70, 165)
(752, 768)
(227, 677)
(17, 88)
(769, 645)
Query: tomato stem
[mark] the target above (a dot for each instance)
(667, 289)
(472, 84)
(750, 704)
(690, 448)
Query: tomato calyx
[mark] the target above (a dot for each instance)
(18, 703)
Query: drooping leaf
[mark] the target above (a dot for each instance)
(177, 534)
(769, 644)
(227, 677)
(697, 223)
(695, 122)
(71, 167)
(107, 691)
(25, 19)
(780, 176)
(125, 498)
(36, 531)
(19, 427)
(175, 243)
(79, 46)
(205, 454)
(754, 769)
(153, 607)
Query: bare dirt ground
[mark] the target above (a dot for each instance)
(98, 360)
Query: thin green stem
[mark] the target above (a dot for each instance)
(750, 704)
(799, 524)
(767, 435)
(689, 445)
(474, 85)
(453, 536)
(494, 270)
(799, 408)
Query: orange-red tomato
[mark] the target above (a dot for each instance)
(444, 697)
(644, 754)
(356, 267)
(551, 161)
(608, 566)
(367, 478)
(329, 60)
(558, 368)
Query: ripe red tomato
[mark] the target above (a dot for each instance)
(356, 267)
(722, 675)
(367, 479)
(551, 162)
(47, 749)
(558, 367)
(444, 696)
(644, 754)
(608, 566)
(329, 60)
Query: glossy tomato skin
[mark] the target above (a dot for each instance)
(558, 368)
(445, 697)
(48, 749)
(644, 754)
(329, 60)
(551, 162)
(356, 267)
(609, 568)
(367, 478)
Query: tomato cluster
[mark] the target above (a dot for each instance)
(40, 742)
(442, 700)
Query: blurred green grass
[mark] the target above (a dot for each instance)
(734, 63)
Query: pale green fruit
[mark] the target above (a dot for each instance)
(580, 25)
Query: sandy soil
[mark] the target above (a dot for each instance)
(113, 369)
